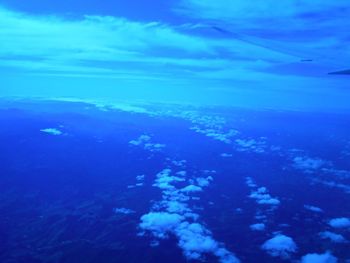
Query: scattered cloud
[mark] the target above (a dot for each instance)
(319, 258)
(251, 145)
(262, 197)
(145, 141)
(191, 189)
(258, 227)
(123, 210)
(336, 238)
(307, 164)
(172, 215)
(204, 181)
(160, 223)
(52, 131)
(280, 246)
(341, 222)
(313, 208)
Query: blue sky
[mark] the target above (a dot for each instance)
(228, 52)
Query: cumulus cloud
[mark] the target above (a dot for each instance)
(160, 223)
(172, 215)
(145, 141)
(191, 189)
(334, 237)
(262, 197)
(257, 227)
(341, 222)
(333, 184)
(226, 155)
(165, 179)
(313, 208)
(140, 177)
(308, 164)
(251, 145)
(250, 182)
(196, 241)
(52, 131)
(123, 210)
(280, 246)
(319, 258)
(204, 181)
(140, 140)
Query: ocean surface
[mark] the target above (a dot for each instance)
(93, 182)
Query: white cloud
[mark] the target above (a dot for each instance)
(123, 210)
(141, 140)
(341, 222)
(197, 241)
(308, 164)
(145, 141)
(160, 223)
(52, 131)
(172, 215)
(336, 238)
(175, 207)
(319, 258)
(257, 227)
(191, 189)
(250, 182)
(204, 181)
(226, 155)
(262, 197)
(280, 246)
(140, 177)
(164, 180)
(313, 208)
(251, 145)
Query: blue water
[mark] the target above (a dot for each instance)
(59, 193)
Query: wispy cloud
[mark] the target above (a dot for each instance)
(316, 29)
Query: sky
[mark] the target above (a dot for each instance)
(259, 54)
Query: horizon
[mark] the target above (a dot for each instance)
(229, 53)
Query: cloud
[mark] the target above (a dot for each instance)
(123, 210)
(250, 182)
(257, 227)
(313, 208)
(319, 258)
(307, 164)
(175, 207)
(295, 28)
(336, 238)
(195, 241)
(204, 181)
(172, 215)
(191, 189)
(262, 197)
(115, 47)
(164, 180)
(52, 131)
(140, 177)
(269, 9)
(280, 246)
(141, 140)
(160, 223)
(251, 145)
(341, 222)
(145, 141)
